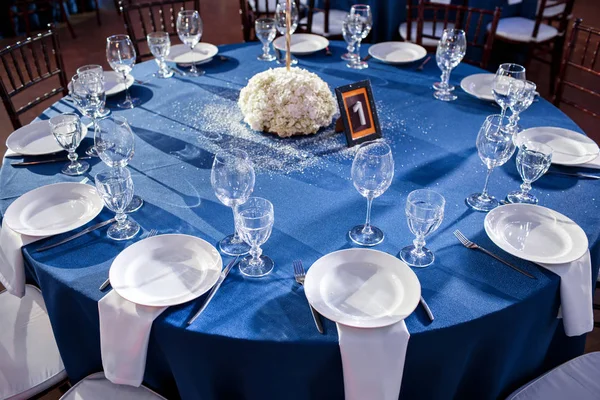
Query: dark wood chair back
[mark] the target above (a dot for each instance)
(312, 10)
(24, 9)
(249, 13)
(583, 57)
(412, 14)
(27, 64)
(561, 19)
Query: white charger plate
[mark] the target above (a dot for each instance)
(363, 288)
(479, 85)
(302, 44)
(536, 233)
(113, 83)
(397, 52)
(54, 209)
(569, 147)
(165, 270)
(181, 53)
(34, 139)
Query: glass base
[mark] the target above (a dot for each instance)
(439, 86)
(520, 197)
(135, 204)
(366, 239)
(349, 56)
(482, 203)
(78, 168)
(281, 61)
(127, 104)
(103, 113)
(256, 271)
(444, 96)
(232, 247)
(195, 74)
(266, 57)
(358, 65)
(91, 151)
(128, 230)
(410, 256)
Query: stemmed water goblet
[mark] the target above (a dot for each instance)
(348, 38)
(360, 24)
(372, 174)
(424, 214)
(120, 54)
(495, 147)
(116, 189)
(68, 132)
(281, 12)
(508, 83)
(160, 47)
(255, 221)
(533, 160)
(451, 49)
(265, 32)
(189, 29)
(98, 71)
(524, 99)
(232, 178)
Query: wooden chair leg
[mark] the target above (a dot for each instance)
(557, 54)
(117, 7)
(65, 17)
(97, 12)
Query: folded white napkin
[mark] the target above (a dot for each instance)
(124, 334)
(373, 361)
(575, 294)
(595, 163)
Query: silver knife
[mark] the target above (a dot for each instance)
(53, 160)
(576, 174)
(75, 236)
(427, 309)
(214, 289)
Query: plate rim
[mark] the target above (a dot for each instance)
(212, 46)
(129, 83)
(303, 53)
(407, 44)
(462, 86)
(39, 122)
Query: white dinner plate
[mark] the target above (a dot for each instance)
(397, 52)
(536, 233)
(181, 53)
(568, 147)
(165, 270)
(362, 288)
(34, 139)
(302, 43)
(54, 209)
(113, 83)
(479, 85)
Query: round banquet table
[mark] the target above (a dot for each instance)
(494, 328)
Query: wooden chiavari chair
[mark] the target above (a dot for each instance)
(325, 21)
(25, 9)
(431, 25)
(81, 7)
(27, 64)
(251, 10)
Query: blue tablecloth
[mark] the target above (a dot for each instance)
(494, 329)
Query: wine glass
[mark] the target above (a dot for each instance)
(265, 32)
(116, 189)
(372, 173)
(80, 97)
(232, 178)
(508, 82)
(523, 100)
(120, 54)
(99, 71)
(424, 214)
(533, 160)
(189, 29)
(451, 49)
(68, 132)
(348, 38)
(360, 25)
(255, 220)
(115, 144)
(495, 146)
(160, 47)
(281, 23)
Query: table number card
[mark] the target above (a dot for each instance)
(357, 113)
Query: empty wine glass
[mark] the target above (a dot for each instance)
(160, 47)
(508, 82)
(116, 189)
(80, 97)
(451, 49)
(524, 99)
(265, 32)
(495, 147)
(99, 71)
(533, 160)
(348, 38)
(68, 131)
(372, 173)
(360, 25)
(120, 54)
(232, 178)
(281, 12)
(424, 214)
(255, 221)
(189, 29)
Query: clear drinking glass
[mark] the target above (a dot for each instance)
(68, 131)
(451, 49)
(372, 173)
(115, 144)
(99, 71)
(116, 189)
(533, 160)
(189, 29)
(495, 147)
(281, 23)
(232, 177)
(255, 221)
(80, 97)
(160, 47)
(508, 82)
(348, 38)
(522, 102)
(359, 25)
(424, 214)
(120, 54)
(265, 32)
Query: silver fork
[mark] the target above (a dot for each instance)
(470, 245)
(152, 232)
(299, 275)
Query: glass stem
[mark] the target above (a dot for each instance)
(255, 252)
(358, 50)
(525, 188)
(236, 237)
(193, 70)
(127, 96)
(502, 113)
(350, 48)
(367, 228)
(121, 217)
(484, 194)
(445, 79)
(72, 157)
(419, 243)
(266, 49)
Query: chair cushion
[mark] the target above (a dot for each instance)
(427, 29)
(272, 5)
(336, 19)
(576, 379)
(29, 358)
(520, 29)
(97, 387)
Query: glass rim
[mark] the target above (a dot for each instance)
(54, 120)
(115, 118)
(158, 34)
(264, 19)
(223, 155)
(490, 119)
(429, 192)
(188, 12)
(88, 67)
(268, 210)
(448, 30)
(360, 6)
(121, 173)
(533, 143)
(118, 38)
(379, 141)
(511, 67)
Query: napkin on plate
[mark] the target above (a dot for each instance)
(595, 163)
(124, 334)
(373, 360)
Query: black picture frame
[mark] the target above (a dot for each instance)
(360, 121)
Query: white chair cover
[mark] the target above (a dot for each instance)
(336, 19)
(520, 29)
(427, 29)
(97, 387)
